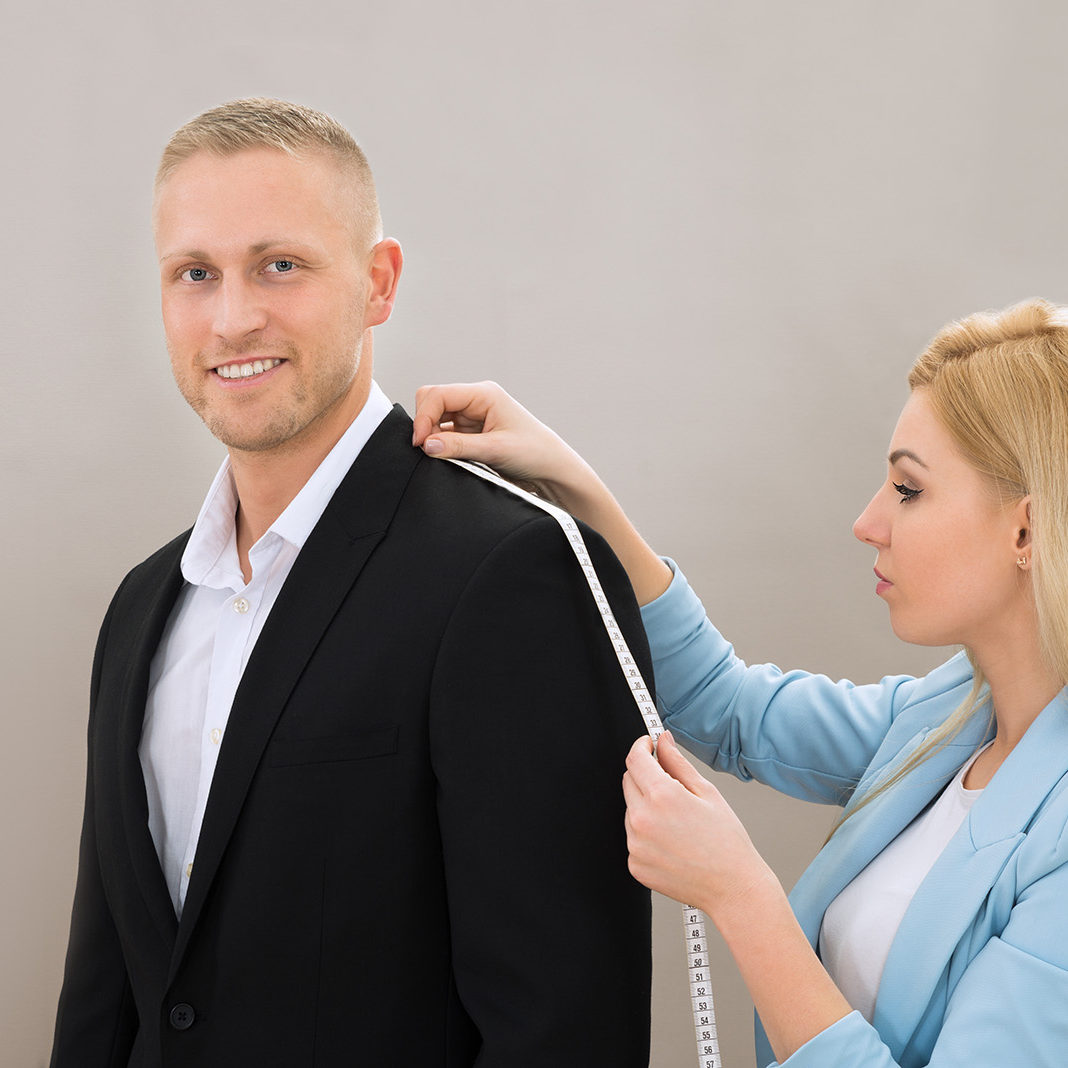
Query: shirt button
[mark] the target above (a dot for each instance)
(189, 871)
(241, 606)
(216, 735)
(182, 1017)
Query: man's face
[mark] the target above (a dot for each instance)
(265, 284)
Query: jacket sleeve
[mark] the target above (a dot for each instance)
(96, 1020)
(530, 725)
(803, 734)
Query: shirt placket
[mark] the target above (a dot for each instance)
(233, 633)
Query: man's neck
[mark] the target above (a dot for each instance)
(268, 481)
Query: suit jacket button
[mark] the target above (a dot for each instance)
(182, 1017)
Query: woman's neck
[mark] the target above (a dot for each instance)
(1021, 685)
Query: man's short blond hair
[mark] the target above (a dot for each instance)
(262, 122)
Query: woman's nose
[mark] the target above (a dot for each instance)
(871, 526)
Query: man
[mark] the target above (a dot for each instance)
(355, 741)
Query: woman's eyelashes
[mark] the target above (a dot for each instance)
(907, 492)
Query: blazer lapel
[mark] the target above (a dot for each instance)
(160, 586)
(951, 899)
(864, 835)
(354, 522)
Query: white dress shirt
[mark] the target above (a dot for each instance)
(209, 637)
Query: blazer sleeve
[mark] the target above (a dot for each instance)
(96, 1020)
(803, 734)
(531, 721)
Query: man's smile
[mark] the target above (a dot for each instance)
(246, 370)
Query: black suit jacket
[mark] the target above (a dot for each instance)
(413, 851)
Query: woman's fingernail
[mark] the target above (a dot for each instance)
(433, 446)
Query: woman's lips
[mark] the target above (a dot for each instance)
(883, 584)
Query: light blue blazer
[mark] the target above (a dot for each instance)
(978, 972)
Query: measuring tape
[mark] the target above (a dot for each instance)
(704, 1012)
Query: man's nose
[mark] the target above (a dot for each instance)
(240, 309)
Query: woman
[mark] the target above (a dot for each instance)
(932, 928)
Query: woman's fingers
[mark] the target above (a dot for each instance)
(650, 769)
(480, 421)
(466, 405)
(642, 769)
(679, 768)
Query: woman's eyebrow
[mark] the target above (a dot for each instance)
(906, 454)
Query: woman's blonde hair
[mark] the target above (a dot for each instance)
(998, 381)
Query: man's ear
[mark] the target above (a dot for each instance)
(384, 271)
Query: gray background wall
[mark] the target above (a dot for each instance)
(702, 239)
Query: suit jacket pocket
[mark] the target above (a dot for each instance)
(375, 742)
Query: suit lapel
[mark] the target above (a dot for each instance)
(354, 522)
(160, 587)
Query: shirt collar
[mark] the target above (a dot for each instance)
(210, 557)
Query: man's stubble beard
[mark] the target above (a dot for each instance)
(286, 422)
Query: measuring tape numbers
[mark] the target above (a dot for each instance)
(704, 1013)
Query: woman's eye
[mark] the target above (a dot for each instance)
(280, 266)
(907, 492)
(195, 274)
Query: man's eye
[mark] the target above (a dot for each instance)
(195, 274)
(280, 266)
(907, 492)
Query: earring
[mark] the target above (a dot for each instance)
(1021, 561)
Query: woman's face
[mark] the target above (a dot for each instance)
(947, 548)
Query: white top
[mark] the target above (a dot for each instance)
(209, 637)
(861, 922)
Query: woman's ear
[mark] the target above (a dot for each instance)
(1021, 513)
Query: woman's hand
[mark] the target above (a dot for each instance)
(480, 421)
(685, 841)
